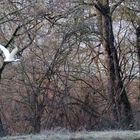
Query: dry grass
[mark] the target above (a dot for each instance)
(105, 135)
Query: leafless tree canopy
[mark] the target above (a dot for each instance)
(79, 68)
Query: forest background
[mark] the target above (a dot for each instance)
(79, 68)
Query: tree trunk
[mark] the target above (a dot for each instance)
(2, 130)
(120, 105)
(138, 53)
(38, 109)
(37, 124)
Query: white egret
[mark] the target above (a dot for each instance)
(9, 57)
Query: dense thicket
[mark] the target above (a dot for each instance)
(79, 68)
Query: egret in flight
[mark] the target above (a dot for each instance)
(9, 57)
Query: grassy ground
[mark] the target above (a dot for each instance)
(106, 135)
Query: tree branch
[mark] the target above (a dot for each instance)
(115, 6)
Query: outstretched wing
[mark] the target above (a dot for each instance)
(14, 52)
(5, 51)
